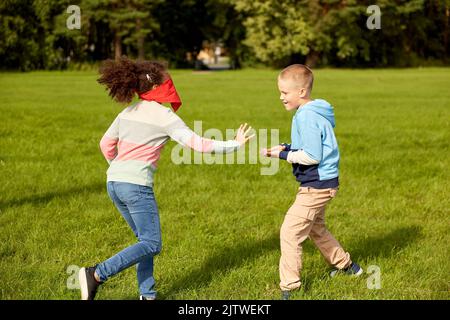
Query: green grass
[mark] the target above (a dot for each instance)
(220, 223)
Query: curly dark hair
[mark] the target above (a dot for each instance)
(124, 77)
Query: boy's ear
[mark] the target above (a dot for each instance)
(303, 92)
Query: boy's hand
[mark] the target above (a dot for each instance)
(241, 134)
(273, 152)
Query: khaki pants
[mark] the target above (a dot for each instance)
(306, 218)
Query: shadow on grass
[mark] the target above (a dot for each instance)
(380, 245)
(386, 245)
(376, 246)
(47, 197)
(228, 259)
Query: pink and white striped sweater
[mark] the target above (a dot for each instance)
(132, 144)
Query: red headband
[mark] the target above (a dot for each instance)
(165, 92)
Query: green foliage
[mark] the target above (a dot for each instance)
(275, 29)
(333, 32)
(33, 33)
(21, 35)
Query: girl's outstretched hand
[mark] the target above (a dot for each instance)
(241, 134)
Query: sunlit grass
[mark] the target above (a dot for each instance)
(220, 223)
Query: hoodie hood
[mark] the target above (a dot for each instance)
(322, 108)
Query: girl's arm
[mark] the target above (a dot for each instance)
(181, 133)
(108, 144)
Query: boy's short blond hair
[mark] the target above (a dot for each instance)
(300, 74)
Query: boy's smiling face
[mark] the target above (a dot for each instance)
(291, 94)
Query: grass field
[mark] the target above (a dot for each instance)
(220, 223)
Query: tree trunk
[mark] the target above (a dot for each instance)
(447, 17)
(117, 46)
(312, 58)
(140, 40)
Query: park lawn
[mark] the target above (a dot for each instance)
(220, 223)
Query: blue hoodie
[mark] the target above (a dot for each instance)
(312, 132)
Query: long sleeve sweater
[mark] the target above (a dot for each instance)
(132, 144)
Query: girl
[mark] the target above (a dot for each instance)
(132, 146)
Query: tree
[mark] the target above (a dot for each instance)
(225, 25)
(34, 35)
(26, 40)
(275, 30)
(129, 21)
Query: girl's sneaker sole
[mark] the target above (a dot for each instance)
(83, 284)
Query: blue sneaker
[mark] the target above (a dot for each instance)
(285, 295)
(352, 270)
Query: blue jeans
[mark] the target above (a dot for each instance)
(137, 205)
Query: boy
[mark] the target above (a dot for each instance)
(314, 156)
